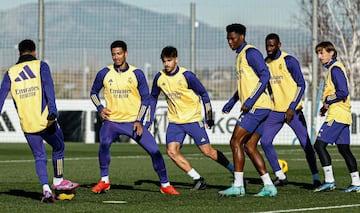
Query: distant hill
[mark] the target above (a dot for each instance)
(80, 32)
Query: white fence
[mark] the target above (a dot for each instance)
(10, 129)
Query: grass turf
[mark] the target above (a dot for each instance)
(134, 181)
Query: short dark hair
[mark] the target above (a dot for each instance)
(328, 46)
(26, 45)
(168, 51)
(237, 28)
(273, 36)
(119, 43)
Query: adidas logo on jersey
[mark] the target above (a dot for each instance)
(25, 74)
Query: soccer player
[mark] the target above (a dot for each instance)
(253, 78)
(182, 90)
(126, 95)
(288, 86)
(335, 129)
(32, 90)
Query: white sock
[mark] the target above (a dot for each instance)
(238, 179)
(46, 188)
(194, 174)
(57, 181)
(165, 184)
(355, 178)
(105, 179)
(280, 174)
(329, 176)
(266, 179)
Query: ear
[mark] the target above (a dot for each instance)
(33, 53)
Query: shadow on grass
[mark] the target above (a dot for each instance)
(178, 184)
(299, 184)
(22, 193)
(120, 187)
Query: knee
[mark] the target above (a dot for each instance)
(171, 153)
(249, 149)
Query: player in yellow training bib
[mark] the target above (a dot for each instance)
(183, 91)
(32, 90)
(336, 128)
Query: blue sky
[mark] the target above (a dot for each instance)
(218, 13)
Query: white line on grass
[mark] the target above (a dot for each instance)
(312, 209)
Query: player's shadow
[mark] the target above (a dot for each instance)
(178, 184)
(22, 193)
(119, 187)
(299, 184)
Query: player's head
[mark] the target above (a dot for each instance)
(26, 47)
(326, 51)
(169, 57)
(273, 44)
(119, 53)
(235, 35)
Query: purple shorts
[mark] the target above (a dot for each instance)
(196, 130)
(334, 132)
(253, 122)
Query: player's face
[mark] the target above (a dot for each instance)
(324, 56)
(272, 47)
(235, 40)
(170, 63)
(119, 56)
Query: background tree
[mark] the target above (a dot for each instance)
(338, 22)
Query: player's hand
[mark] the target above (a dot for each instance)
(244, 109)
(148, 125)
(289, 115)
(105, 112)
(322, 111)
(210, 123)
(228, 106)
(138, 128)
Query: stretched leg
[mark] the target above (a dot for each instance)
(38, 150)
(107, 136)
(276, 121)
(56, 140)
(254, 154)
(148, 142)
(298, 125)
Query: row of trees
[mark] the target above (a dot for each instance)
(338, 22)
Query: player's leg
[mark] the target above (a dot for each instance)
(175, 135)
(148, 143)
(298, 125)
(198, 132)
(239, 136)
(328, 133)
(251, 150)
(39, 152)
(54, 136)
(343, 145)
(276, 121)
(108, 132)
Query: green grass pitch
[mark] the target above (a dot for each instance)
(134, 181)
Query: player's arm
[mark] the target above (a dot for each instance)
(49, 90)
(295, 71)
(4, 90)
(95, 90)
(341, 86)
(230, 104)
(154, 95)
(256, 61)
(143, 89)
(195, 84)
